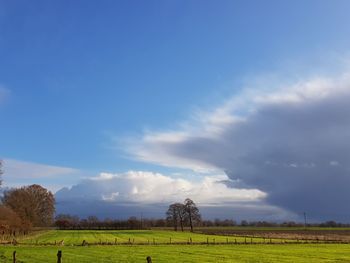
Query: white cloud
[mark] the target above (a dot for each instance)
(18, 173)
(151, 188)
(21, 169)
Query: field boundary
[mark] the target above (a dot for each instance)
(248, 242)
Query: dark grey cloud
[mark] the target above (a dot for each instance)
(293, 145)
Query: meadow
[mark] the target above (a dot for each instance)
(136, 245)
(182, 253)
(141, 237)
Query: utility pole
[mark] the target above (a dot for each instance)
(141, 220)
(305, 220)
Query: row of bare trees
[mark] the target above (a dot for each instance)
(179, 214)
(66, 221)
(182, 214)
(24, 207)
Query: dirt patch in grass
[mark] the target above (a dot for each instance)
(321, 235)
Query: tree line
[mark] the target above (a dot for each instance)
(179, 214)
(67, 221)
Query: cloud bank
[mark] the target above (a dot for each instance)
(292, 143)
(151, 188)
(135, 192)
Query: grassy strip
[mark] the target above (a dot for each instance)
(72, 237)
(177, 253)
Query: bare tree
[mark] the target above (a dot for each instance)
(176, 214)
(32, 203)
(171, 215)
(92, 220)
(66, 221)
(181, 214)
(192, 212)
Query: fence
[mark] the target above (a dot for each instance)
(236, 240)
(59, 257)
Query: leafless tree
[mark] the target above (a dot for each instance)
(92, 220)
(32, 203)
(192, 212)
(66, 221)
(181, 214)
(171, 216)
(176, 214)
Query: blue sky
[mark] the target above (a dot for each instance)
(83, 83)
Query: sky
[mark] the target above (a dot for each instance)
(127, 106)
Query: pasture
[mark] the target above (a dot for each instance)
(141, 237)
(182, 253)
(166, 246)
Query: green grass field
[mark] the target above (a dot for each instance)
(72, 237)
(40, 248)
(182, 253)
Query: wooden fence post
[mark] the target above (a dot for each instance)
(14, 256)
(149, 259)
(59, 256)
